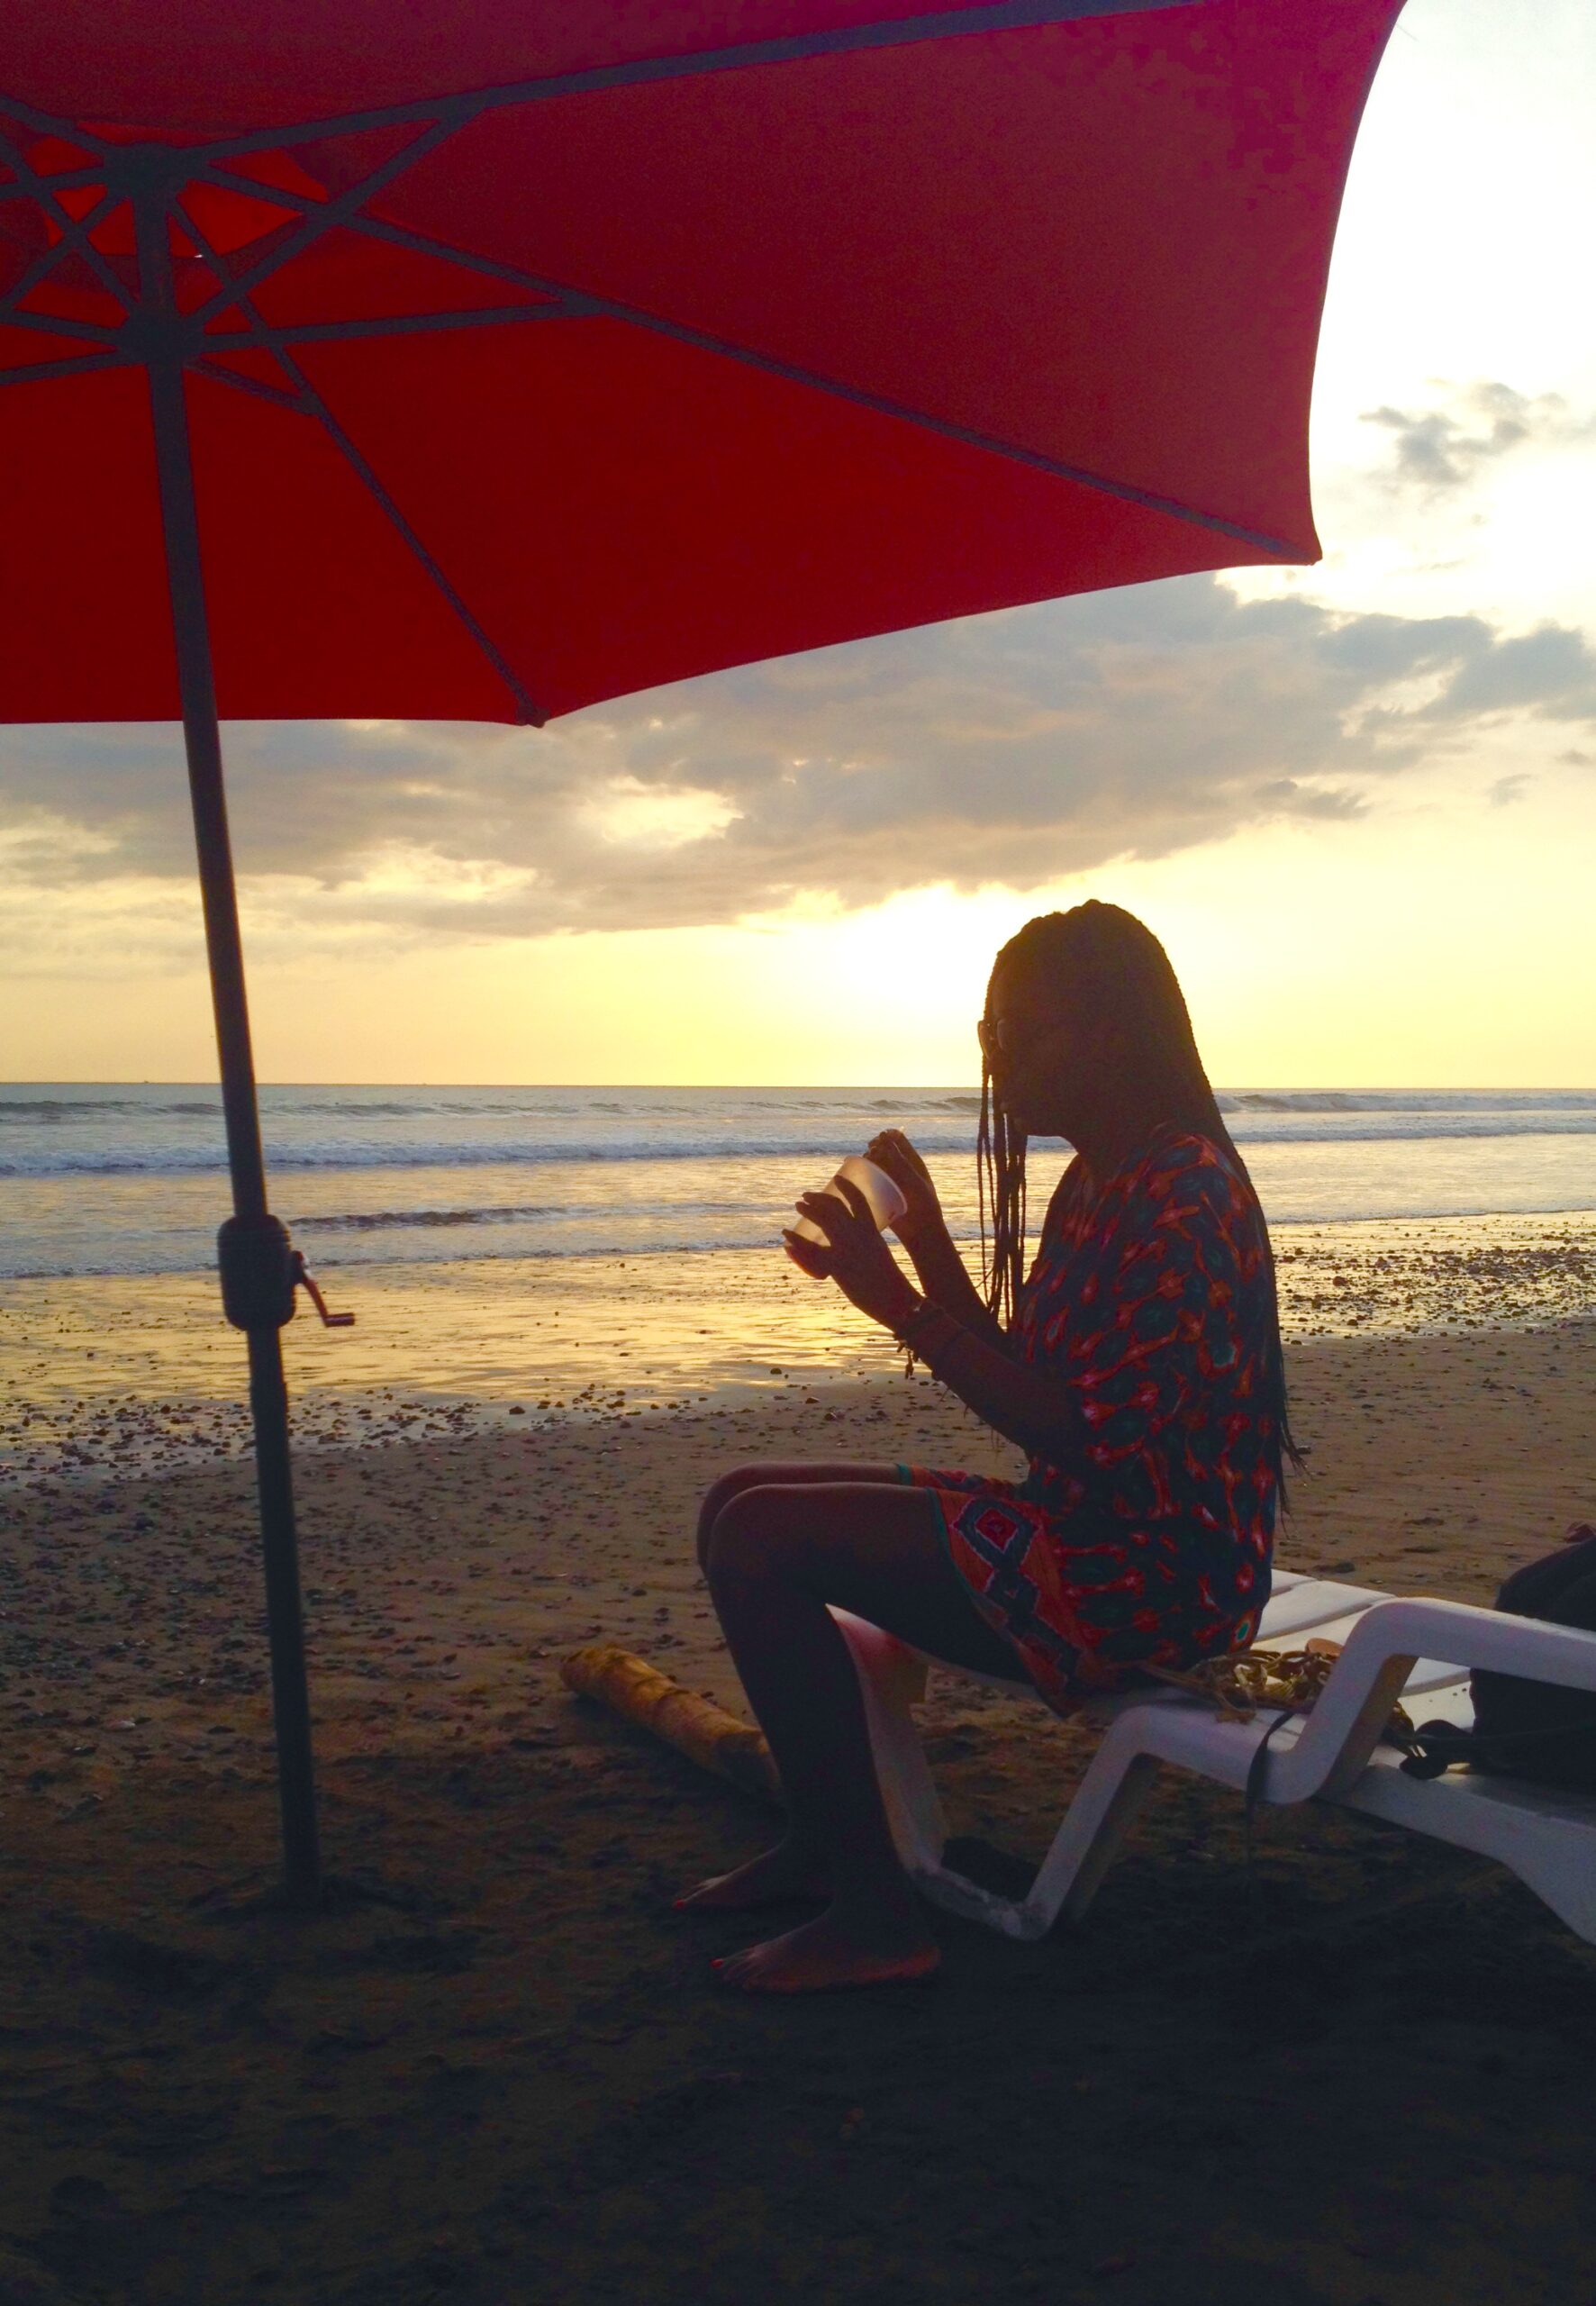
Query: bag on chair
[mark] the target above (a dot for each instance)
(1534, 1729)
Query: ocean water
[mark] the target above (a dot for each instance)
(130, 1179)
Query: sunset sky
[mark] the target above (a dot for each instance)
(1357, 800)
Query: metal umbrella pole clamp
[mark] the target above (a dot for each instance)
(259, 1268)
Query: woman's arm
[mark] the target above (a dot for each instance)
(1021, 1401)
(1170, 1323)
(923, 1230)
(945, 1280)
(1169, 1335)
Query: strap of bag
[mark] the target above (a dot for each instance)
(1437, 1746)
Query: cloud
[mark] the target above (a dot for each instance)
(1292, 799)
(1441, 451)
(1551, 672)
(1014, 748)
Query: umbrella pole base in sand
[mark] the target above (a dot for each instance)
(696, 1727)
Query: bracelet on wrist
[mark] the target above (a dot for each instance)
(926, 1329)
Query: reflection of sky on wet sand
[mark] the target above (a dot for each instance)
(112, 1370)
(118, 1374)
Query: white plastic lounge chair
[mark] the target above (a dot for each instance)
(1419, 1651)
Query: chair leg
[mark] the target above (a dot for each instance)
(892, 1681)
(1084, 1848)
(1123, 1806)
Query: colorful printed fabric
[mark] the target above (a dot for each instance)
(1149, 1543)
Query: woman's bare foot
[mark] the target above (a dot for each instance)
(857, 1946)
(791, 1870)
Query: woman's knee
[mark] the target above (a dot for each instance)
(762, 1531)
(718, 1496)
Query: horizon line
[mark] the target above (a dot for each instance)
(1381, 1088)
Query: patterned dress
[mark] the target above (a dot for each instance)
(1150, 1540)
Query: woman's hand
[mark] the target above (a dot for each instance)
(853, 1254)
(893, 1152)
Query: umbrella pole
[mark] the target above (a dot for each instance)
(257, 1276)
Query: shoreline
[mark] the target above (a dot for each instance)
(132, 1374)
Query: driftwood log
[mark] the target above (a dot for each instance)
(708, 1734)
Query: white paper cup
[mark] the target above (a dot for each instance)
(886, 1203)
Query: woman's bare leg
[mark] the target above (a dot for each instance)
(777, 1556)
(791, 1870)
(776, 1475)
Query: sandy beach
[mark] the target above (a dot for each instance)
(497, 2068)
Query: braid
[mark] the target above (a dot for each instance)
(1000, 1180)
(1105, 956)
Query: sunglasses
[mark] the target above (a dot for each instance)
(1001, 1036)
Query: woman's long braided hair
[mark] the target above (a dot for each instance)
(1100, 955)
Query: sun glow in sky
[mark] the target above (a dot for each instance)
(1365, 833)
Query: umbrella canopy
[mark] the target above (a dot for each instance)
(536, 356)
(482, 361)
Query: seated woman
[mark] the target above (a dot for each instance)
(1138, 1366)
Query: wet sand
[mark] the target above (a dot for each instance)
(130, 1375)
(496, 2069)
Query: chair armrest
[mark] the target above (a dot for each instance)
(1460, 1634)
(1343, 1728)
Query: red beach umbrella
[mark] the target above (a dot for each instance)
(481, 362)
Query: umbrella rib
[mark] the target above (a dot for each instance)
(45, 263)
(47, 325)
(311, 404)
(86, 364)
(243, 384)
(61, 179)
(317, 408)
(901, 31)
(564, 300)
(326, 215)
(583, 303)
(48, 123)
(589, 305)
(445, 115)
(73, 229)
(394, 324)
(966, 435)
